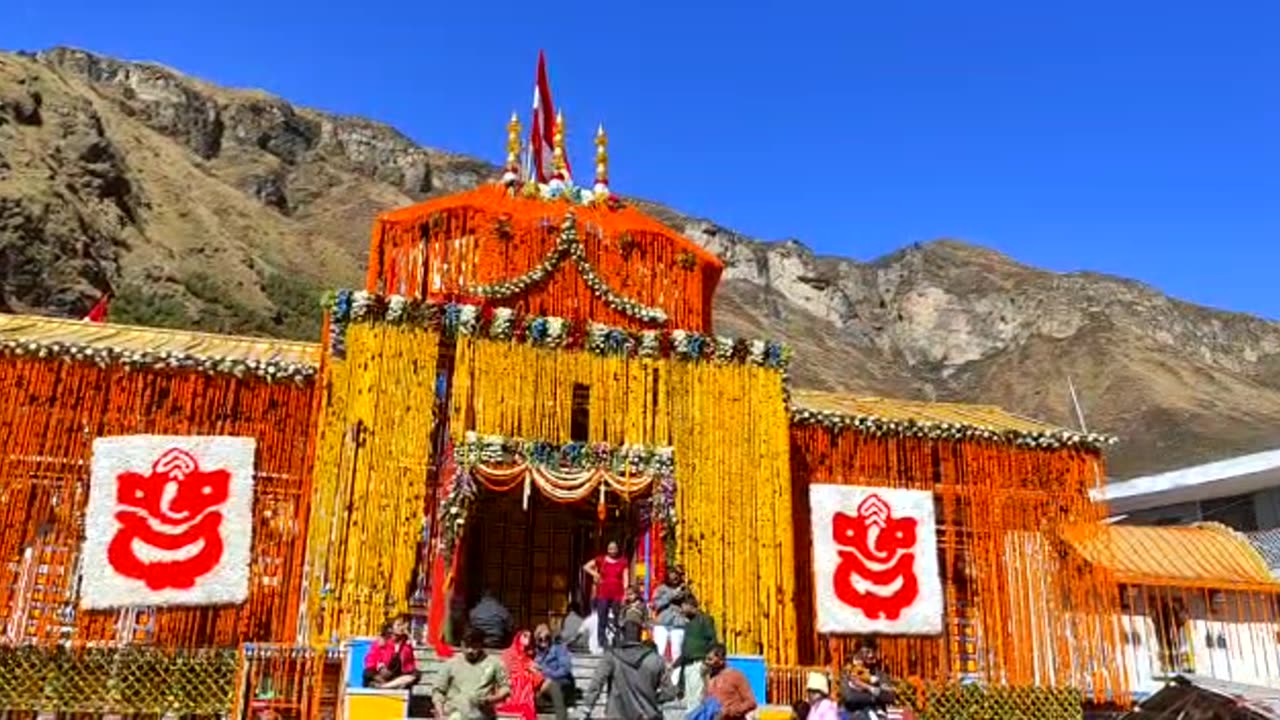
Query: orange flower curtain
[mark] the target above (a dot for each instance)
(1020, 609)
(486, 244)
(50, 412)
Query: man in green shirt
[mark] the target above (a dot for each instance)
(470, 685)
(699, 638)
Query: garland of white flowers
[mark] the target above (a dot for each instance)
(464, 319)
(568, 246)
(934, 430)
(103, 356)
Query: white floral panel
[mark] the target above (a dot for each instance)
(169, 521)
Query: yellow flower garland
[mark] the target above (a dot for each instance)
(371, 478)
(729, 427)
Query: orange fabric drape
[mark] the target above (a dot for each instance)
(1019, 609)
(447, 247)
(50, 413)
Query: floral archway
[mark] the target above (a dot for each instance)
(566, 473)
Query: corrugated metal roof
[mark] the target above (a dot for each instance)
(988, 416)
(106, 342)
(1204, 555)
(1267, 543)
(934, 419)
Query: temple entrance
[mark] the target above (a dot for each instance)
(531, 560)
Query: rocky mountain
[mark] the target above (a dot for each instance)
(230, 210)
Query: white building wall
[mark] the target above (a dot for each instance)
(1213, 643)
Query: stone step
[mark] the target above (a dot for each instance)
(584, 669)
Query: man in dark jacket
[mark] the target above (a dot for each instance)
(637, 679)
(494, 620)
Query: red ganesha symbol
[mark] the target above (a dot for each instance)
(170, 532)
(876, 573)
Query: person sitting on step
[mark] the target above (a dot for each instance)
(492, 618)
(525, 678)
(390, 664)
(634, 609)
(576, 633)
(553, 660)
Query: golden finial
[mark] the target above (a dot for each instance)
(602, 156)
(513, 143)
(557, 144)
(511, 175)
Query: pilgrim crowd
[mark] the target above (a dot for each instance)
(659, 654)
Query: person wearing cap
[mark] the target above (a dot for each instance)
(818, 693)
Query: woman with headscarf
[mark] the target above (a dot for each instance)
(524, 677)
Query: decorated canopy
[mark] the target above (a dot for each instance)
(560, 252)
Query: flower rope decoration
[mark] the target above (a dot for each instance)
(934, 430)
(573, 471)
(506, 324)
(456, 507)
(105, 356)
(568, 246)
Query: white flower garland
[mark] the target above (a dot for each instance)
(165, 360)
(883, 427)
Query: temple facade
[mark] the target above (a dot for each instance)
(531, 371)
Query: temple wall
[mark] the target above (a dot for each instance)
(51, 410)
(1018, 610)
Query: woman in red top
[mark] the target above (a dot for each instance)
(390, 663)
(610, 574)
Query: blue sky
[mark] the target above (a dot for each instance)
(1135, 138)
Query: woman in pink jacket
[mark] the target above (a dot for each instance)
(390, 664)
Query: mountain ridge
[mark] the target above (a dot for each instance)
(229, 210)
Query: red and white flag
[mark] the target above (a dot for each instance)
(99, 312)
(543, 130)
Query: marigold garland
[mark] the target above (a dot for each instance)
(568, 247)
(1020, 608)
(372, 471)
(727, 424)
(346, 307)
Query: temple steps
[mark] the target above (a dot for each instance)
(584, 668)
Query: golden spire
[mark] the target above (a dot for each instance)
(602, 158)
(557, 144)
(513, 143)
